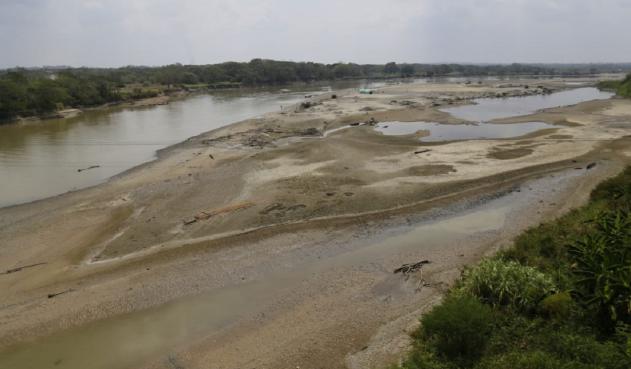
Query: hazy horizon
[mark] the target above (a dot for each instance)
(625, 63)
(97, 33)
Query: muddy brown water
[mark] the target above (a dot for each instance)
(129, 340)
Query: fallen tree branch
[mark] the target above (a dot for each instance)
(20, 268)
(411, 268)
(55, 294)
(88, 168)
(203, 215)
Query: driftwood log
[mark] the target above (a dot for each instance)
(203, 215)
(407, 269)
(422, 151)
(411, 268)
(55, 294)
(88, 168)
(20, 268)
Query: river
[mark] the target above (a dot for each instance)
(43, 159)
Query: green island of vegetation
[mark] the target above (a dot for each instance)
(43, 91)
(621, 88)
(559, 299)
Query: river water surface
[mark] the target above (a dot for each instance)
(42, 159)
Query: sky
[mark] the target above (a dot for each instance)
(110, 33)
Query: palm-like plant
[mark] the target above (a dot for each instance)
(602, 268)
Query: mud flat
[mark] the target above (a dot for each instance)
(267, 244)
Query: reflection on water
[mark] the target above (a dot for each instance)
(493, 108)
(452, 132)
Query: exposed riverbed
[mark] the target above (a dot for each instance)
(251, 246)
(127, 341)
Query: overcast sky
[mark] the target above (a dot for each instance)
(157, 32)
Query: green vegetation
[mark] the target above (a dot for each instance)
(459, 328)
(559, 299)
(622, 88)
(42, 91)
(26, 94)
(498, 282)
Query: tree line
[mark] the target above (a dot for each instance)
(25, 92)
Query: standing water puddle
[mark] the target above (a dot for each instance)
(488, 109)
(452, 132)
(495, 108)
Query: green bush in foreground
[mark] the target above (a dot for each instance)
(602, 268)
(562, 341)
(558, 306)
(526, 360)
(616, 192)
(459, 328)
(498, 282)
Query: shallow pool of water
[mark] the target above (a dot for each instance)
(454, 132)
(495, 108)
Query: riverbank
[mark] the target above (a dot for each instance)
(554, 299)
(267, 196)
(164, 98)
(74, 112)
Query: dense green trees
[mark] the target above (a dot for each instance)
(25, 94)
(38, 91)
(391, 68)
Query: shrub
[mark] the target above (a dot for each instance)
(499, 282)
(525, 360)
(602, 269)
(615, 191)
(459, 328)
(580, 347)
(420, 358)
(558, 306)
